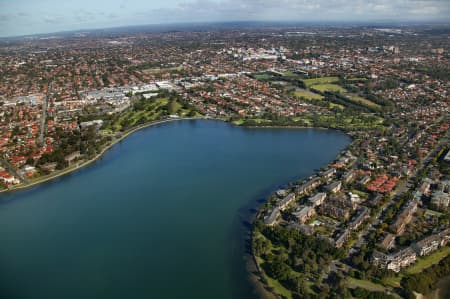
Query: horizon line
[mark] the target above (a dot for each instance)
(357, 23)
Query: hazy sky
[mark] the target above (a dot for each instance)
(18, 17)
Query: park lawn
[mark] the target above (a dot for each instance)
(393, 281)
(329, 88)
(176, 107)
(301, 121)
(263, 76)
(158, 70)
(161, 101)
(106, 132)
(290, 75)
(306, 121)
(425, 262)
(360, 100)
(150, 112)
(308, 95)
(238, 122)
(356, 79)
(354, 122)
(278, 288)
(365, 284)
(360, 193)
(261, 120)
(317, 81)
(333, 105)
(185, 112)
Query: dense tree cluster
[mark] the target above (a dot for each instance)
(296, 254)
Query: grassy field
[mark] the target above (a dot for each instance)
(317, 81)
(290, 75)
(329, 88)
(354, 122)
(423, 263)
(365, 284)
(301, 121)
(312, 96)
(176, 107)
(360, 193)
(238, 122)
(261, 121)
(263, 76)
(356, 79)
(360, 100)
(279, 289)
(308, 95)
(158, 70)
(393, 281)
(334, 105)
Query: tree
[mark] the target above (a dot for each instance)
(172, 106)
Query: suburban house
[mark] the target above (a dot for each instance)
(71, 157)
(50, 167)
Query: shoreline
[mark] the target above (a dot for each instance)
(258, 280)
(254, 271)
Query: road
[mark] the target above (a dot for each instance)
(44, 114)
(13, 170)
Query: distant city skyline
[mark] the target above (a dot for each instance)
(24, 17)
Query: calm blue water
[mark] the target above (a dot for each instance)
(160, 216)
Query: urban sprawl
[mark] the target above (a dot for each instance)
(369, 224)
